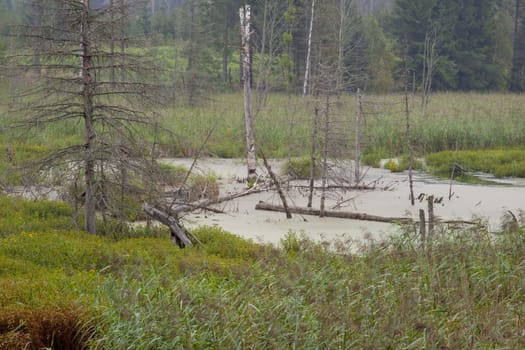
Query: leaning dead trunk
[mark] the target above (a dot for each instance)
(178, 233)
(245, 16)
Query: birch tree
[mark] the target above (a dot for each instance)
(246, 32)
(309, 49)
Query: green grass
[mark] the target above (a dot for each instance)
(465, 290)
(500, 162)
(453, 121)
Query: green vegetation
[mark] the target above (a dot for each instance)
(299, 168)
(464, 291)
(500, 162)
(452, 122)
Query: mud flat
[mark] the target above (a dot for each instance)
(389, 199)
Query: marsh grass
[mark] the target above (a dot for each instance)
(499, 162)
(453, 121)
(464, 290)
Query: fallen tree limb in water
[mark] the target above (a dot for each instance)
(333, 214)
(357, 216)
(205, 203)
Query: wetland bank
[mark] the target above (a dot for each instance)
(128, 287)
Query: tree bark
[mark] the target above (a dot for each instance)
(309, 50)
(89, 130)
(408, 136)
(37, 23)
(245, 16)
(326, 132)
(313, 151)
(357, 160)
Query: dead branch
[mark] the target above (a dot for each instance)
(205, 203)
(277, 185)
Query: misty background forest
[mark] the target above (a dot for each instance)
(474, 45)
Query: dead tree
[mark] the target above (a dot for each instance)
(246, 32)
(408, 135)
(108, 110)
(358, 117)
(429, 63)
(309, 50)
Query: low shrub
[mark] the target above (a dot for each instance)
(299, 168)
(372, 159)
(218, 242)
(203, 187)
(393, 165)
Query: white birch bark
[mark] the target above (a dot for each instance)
(245, 17)
(309, 51)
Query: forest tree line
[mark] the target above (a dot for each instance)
(446, 45)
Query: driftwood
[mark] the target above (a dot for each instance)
(343, 187)
(333, 214)
(205, 203)
(179, 235)
(357, 216)
(278, 186)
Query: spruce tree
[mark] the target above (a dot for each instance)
(517, 79)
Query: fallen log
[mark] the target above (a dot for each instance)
(358, 216)
(333, 214)
(179, 235)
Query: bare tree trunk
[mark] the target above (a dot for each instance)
(429, 59)
(122, 41)
(357, 160)
(340, 44)
(37, 23)
(313, 151)
(225, 47)
(422, 227)
(261, 55)
(408, 136)
(191, 54)
(431, 217)
(112, 42)
(89, 131)
(309, 51)
(515, 73)
(245, 16)
(326, 131)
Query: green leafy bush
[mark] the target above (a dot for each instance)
(299, 168)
